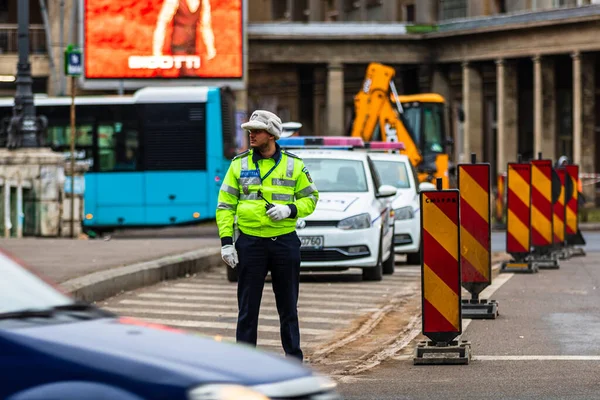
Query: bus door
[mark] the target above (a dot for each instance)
(118, 183)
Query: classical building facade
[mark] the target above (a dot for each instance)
(523, 73)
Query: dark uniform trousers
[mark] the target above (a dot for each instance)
(257, 256)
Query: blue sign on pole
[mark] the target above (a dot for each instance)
(73, 61)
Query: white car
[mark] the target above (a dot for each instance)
(351, 226)
(396, 170)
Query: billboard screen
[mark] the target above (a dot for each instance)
(163, 39)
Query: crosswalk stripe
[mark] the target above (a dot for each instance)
(229, 326)
(266, 343)
(303, 294)
(302, 310)
(366, 286)
(267, 300)
(218, 314)
(303, 289)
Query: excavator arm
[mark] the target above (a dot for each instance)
(375, 117)
(393, 128)
(370, 100)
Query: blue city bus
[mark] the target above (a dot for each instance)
(155, 158)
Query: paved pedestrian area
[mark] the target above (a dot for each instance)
(62, 259)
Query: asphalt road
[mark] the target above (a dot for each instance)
(543, 345)
(592, 239)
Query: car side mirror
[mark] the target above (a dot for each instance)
(386, 191)
(424, 186)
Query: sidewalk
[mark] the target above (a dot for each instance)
(99, 268)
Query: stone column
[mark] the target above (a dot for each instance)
(588, 121)
(577, 108)
(335, 100)
(537, 106)
(440, 84)
(548, 147)
(506, 97)
(472, 104)
(501, 158)
(544, 107)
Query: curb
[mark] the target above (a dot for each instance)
(104, 284)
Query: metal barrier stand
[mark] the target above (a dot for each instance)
(518, 221)
(441, 279)
(474, 185)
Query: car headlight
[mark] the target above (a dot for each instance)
(362, 221)
(403, 213)
(225, 392)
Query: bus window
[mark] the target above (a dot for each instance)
(59, 139)
(59, 136)
(118, 146)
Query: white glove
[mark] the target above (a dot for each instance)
(229, 255)
(279, 212)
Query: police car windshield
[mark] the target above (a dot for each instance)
(393, 173)
(337, 175)
(22, 290)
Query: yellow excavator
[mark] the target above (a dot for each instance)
(380, 114)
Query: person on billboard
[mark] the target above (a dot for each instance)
(187, 16)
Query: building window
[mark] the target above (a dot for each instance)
(409, 13)
(280, 11)
(374, 3)
(500, 6)
(3, 12)
(451, 9)
(329, 10)
(300, 11)
(351, 5)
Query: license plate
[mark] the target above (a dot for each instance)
(312, 242)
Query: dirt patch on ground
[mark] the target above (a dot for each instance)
(396, 332)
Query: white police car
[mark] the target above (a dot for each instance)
(396, 170)
(351, 226)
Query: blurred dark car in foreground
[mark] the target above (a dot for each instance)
(54, 348)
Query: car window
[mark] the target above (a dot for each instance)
(393, 173)
(22, 290)
(336, 175)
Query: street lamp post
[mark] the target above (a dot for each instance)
(25, 126)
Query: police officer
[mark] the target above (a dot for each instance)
(268, 189)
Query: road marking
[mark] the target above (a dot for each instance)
(216, 314)
(304, 295)
(536, 358)
(261, 342)
(206, 304)
(517, 358)
(230, 326)
(200, 306)
(342, 289)
(233, 300)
